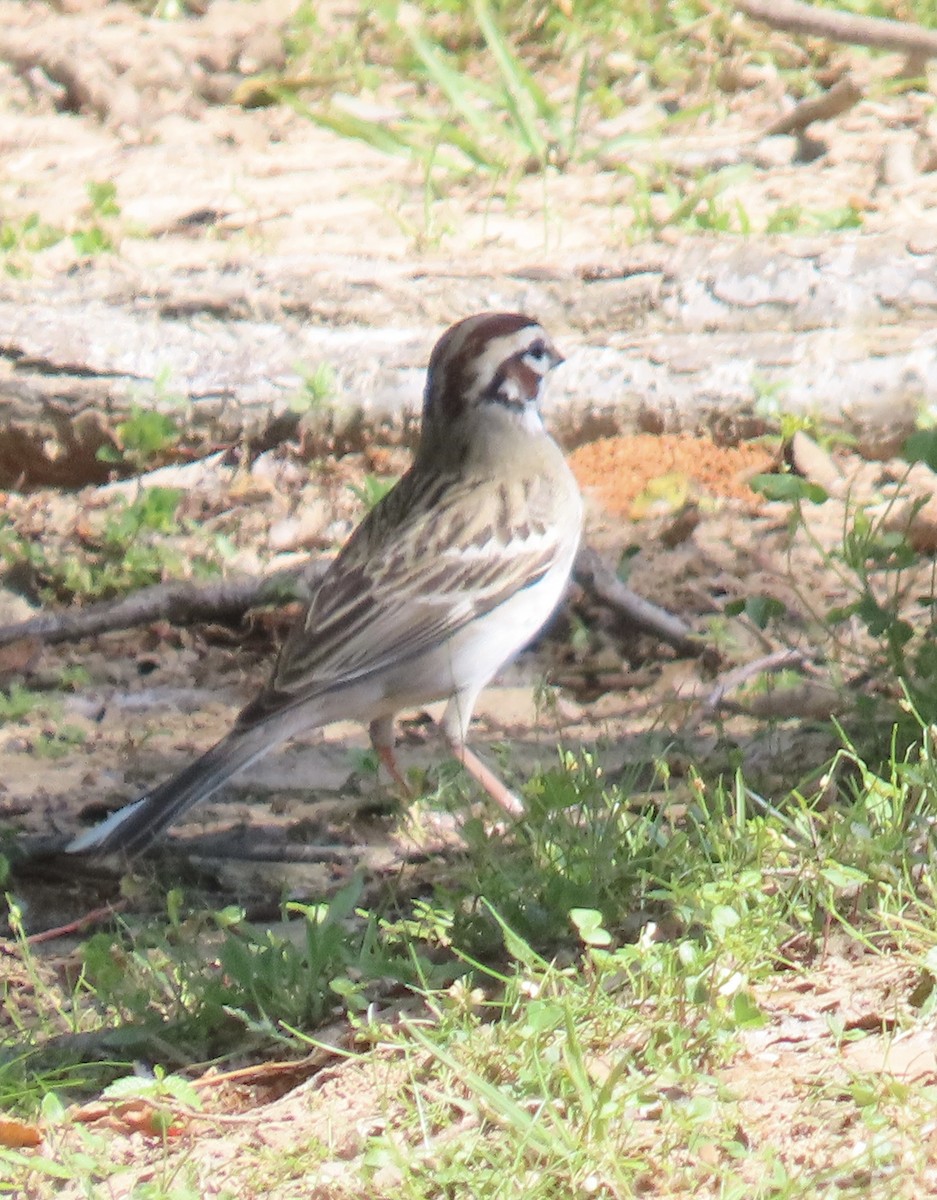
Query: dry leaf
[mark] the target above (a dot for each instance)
(665, 494)
(16, 1134)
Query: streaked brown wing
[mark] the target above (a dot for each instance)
(431, 557)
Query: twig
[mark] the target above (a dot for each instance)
(180, 603)
(778, 661)
(263, 1071)
(841, 96)
(76, 926)
(600, 582)
(795, 17)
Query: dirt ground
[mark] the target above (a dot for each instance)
(203, 181)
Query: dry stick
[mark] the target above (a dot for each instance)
(780, 660)
(794, 17)
(259, 1072)
(841, 96)
(603, 584)
(78, 925)
(179, 603)
(228, 600)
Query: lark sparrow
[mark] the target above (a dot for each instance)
(441, 584)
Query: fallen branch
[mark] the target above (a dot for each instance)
(227, 600)
(780, 660)
(792, 16)
(603, 585)
(183, 603)
(79, 925)
(329, 1045)
(841, 96)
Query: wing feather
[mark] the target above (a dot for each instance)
(424, 563)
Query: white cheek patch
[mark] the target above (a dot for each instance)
(510, 391)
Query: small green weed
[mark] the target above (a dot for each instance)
(17, 702)
(794, 218)
(102, 198)
(130, 552)
(128, 545)
(150, 432)
(154, 509)
(318, 385)
(58, 742)
(882, 575)
(372, 489)
(20, 239)
(143, 436)
(662, 198)
(96, 234)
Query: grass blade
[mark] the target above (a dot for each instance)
(372, 133)
(403, 143)
(455, 86)
(498, 1104)
(512, 67)
(522, 95)
(476, 153)
(572, 133)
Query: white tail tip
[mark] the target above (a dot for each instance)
(92, 838)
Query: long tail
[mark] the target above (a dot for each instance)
(133, 827)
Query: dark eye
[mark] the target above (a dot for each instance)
(538, 356)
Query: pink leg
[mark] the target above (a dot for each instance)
(382, 739)
(387, 757)
(484, 776)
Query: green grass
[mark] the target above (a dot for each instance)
(569, 1005)
(564, 1002)
(496, 90)
(484, 92)
(583, 982)
(128, 544)
(882, 625)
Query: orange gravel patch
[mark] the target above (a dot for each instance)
(619, 470)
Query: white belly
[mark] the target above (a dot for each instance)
(462, 666)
